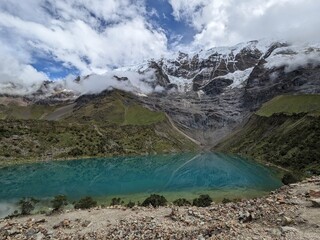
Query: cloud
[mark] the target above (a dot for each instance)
(92, 36)
(16, 77)
(131, 81)
(227, 22)
(295, 58)
(96, 36)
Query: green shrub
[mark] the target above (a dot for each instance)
(226, 200)
(58, 202)
(26, 206)
(202, 201)
(130, 204)
(75, 152)
(85, 203)
(181, 202)
(289, 178)
(116, 201)
(154, 200)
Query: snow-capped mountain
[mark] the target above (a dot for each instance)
(210, 93)
(207, 93)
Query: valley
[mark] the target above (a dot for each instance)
(227, 125)
(159, 119)
(253, 99)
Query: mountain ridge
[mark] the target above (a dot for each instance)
(207, 95)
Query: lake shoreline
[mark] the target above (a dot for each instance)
(290, 212)
(40, 160)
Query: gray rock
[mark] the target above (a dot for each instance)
(315, 202)
(286, 229)
(287, 221)
(39, 236)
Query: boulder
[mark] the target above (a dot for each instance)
(314, 194)
(315, 202)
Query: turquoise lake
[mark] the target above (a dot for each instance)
(181, 175)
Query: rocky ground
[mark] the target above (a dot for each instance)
(292, 212)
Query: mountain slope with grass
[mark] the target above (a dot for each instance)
(291, 104)
(108, 124)
(285, 132)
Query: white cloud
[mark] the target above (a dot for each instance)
(91, 35)
(95, 36)
(227, 22)
(16, 77)
(135, 82)
(301, 56)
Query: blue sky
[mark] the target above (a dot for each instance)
(163, 17)
(42, 39)
(159, 15)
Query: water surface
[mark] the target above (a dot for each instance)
(181, 175)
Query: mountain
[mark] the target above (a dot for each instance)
(202, 97)
(285, 131)
(211, 93)
(108, 124)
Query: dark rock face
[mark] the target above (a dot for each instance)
(161, 76)
(216, 86)
(246, 59)
(202, 70)
(120, 78)
(263, 84)
(209, 94)
(213, 107)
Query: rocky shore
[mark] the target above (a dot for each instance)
(291, 212)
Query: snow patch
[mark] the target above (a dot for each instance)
(226, 52)
(184, 85)
(238, 77)
(134, 68)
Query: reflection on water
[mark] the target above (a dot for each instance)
(135, 175)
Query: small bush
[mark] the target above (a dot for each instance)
(85, 203)
(130, 204)
(226, 200)
(58, 202)
(26, 206)
(76, 152)
(202, 201)
(289, 178)
(116, 201)
(154, 200)
(181, 202)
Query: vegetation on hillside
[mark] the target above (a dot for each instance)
(115, 107)
(111, 124)
(291, 104)
(289, 140)
(12, 111)
(22, 140)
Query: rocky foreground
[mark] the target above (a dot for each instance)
(292, 212)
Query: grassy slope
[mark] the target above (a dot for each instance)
(116, 108)
(114, 124)
(290, 139)
(290, 104)
(25, 112)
